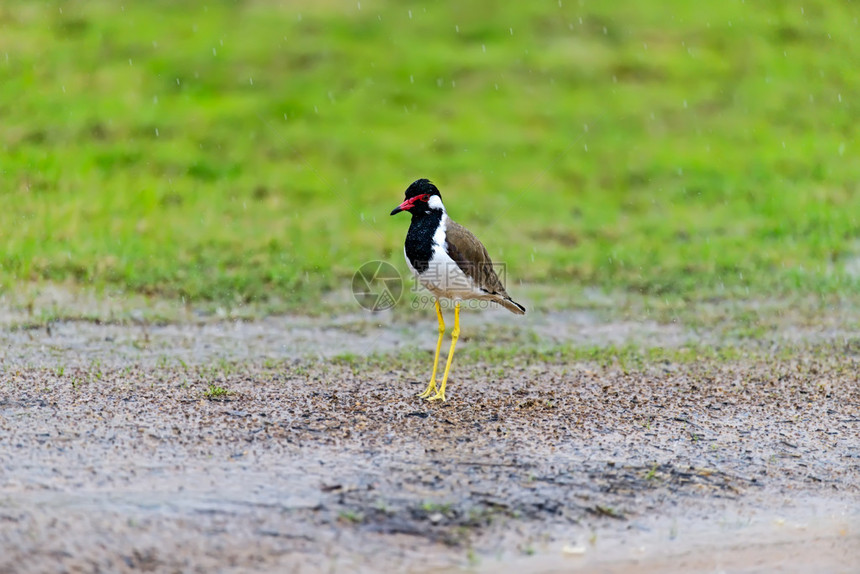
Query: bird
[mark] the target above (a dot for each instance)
(451, 263)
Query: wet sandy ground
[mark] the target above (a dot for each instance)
(49, 326)
(119, 462)
(80, 343)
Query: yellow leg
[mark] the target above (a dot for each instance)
(431, 388)
(455, 334)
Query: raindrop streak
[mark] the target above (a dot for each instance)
(410, 14)
(214, 52)
(483, 49)
(156, 132)
(251, 80)
(359, 5)
(512, 31)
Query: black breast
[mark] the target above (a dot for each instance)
(419, 239)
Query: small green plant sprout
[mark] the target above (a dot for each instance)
(217, 393)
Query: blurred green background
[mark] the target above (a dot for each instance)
(237, 151)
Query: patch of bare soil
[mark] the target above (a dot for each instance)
(81, 343)
(311, 466)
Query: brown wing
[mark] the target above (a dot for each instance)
(472, 258)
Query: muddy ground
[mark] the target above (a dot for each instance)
(130, 448)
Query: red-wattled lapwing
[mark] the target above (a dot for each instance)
(450, 262)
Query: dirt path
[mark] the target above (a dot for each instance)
(81, 343)
(309, 465)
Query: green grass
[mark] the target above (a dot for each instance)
(216, 392)
(244, 151)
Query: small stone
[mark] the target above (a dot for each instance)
(573, 550)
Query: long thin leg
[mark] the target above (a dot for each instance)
(431, 388)
(455, 334)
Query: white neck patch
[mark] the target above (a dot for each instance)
(435, 202)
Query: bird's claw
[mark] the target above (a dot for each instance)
(431, 388)
(439, 396)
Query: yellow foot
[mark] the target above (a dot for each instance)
(431, 388)
(439, 396)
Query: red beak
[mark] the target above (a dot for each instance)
(405, 206)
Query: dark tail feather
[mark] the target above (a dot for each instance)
(512, 306)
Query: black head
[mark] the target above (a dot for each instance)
(417, 197)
